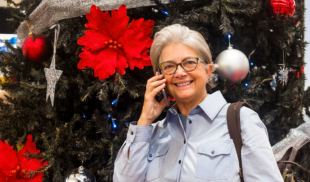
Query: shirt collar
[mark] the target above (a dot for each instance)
(211, 105)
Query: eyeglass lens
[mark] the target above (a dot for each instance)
(170, 67)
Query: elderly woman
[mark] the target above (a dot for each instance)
(192, 144)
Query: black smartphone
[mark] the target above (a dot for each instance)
(163, 90)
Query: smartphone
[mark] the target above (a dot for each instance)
(163, 90)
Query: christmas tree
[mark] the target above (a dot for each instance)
(83, 118)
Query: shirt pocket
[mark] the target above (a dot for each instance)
(156, 157)
(213, 160)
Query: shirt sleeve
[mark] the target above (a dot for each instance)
(258, 162)
(134, 168)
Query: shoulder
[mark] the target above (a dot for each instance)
(251, 123)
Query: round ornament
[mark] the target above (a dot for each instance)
(283, 7)
(37, 48)
(232, 64)
(80, 175)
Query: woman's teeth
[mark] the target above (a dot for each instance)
(183, 84)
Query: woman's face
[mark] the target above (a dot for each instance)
(198, 78)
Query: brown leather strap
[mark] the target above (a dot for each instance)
(291, 162)
(234, 128)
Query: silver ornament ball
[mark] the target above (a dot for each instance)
(80, 175)
(232, 64)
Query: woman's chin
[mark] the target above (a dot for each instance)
(184, 96)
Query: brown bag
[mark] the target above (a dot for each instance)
(234, 128)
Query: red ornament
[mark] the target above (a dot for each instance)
(298, 76)
(13, 166)
(302, 69)
(297, 22)
(284, 7)
(111, 45)
(172, 99)
(116, 80)
(37, 48)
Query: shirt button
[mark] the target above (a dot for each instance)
(179, 161)
(150, 155)
(190, 122)
(131, 133)
(212, 152)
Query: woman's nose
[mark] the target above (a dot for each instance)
(180, 71)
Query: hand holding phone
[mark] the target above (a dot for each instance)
(151, 107)
(163, 90)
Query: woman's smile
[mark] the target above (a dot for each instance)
(183, 83)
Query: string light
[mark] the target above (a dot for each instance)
(114, 101)
(215, 79)
(84, 115)
(165, 12)
(246, 84)
(251, 63)
(113, 123)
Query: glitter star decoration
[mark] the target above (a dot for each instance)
(52, 76)
(283, 72)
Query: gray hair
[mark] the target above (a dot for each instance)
(177, 33)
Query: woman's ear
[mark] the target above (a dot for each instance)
(209, 70)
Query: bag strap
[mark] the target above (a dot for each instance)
(234, 128)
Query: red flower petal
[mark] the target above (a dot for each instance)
(141, 62)
(103, 62)
(30, 164)
(134, 43)
(143, 26)
(121, 63)
(8, 158)
(94, 40)
(118, 22)
(106, 63)
(95, 17)
(86, 59)
(2, 176)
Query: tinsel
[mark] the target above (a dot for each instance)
(51, 11)
(296, 138)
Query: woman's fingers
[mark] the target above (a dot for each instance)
(155, 78)
(157, 83)
(163, 103)
(157, 89)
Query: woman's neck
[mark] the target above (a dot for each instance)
(186, 107)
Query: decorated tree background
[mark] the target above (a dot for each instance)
(101, 88)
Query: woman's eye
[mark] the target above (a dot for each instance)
(169, 66)
(190, 62)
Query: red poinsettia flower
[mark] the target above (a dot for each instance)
(111, 45)
(14, 166)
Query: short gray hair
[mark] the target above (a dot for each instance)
(177, 33)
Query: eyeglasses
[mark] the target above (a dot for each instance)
(188, 64)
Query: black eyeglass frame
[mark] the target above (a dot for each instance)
(177, 64)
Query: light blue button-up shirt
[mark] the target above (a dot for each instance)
(163, 152)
